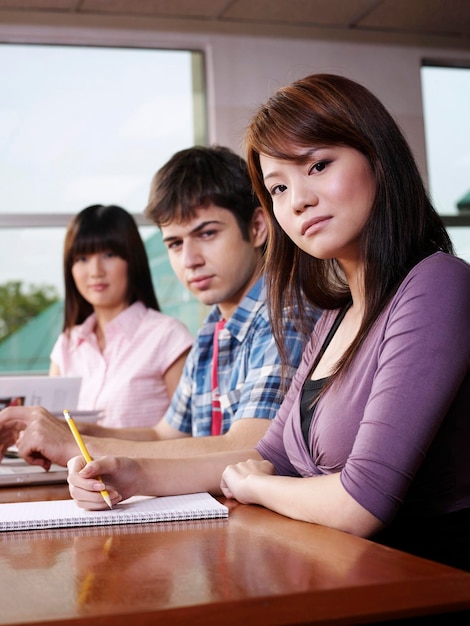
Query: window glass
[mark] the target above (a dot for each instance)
(460, 236)
(446, 103)
(83, 125)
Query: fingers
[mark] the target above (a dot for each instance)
(11, 425)
(84, 487)
(46, 438)
(237, 480)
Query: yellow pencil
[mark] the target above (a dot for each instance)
(84, 451)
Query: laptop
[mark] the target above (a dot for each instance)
(55, 393)
(17, 472)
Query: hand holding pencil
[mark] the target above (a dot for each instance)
(84, 451)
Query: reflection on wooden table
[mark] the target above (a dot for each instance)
(256, 567)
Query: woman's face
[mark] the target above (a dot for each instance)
(323, 200)
(101, 278)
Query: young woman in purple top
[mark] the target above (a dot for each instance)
(373, 435)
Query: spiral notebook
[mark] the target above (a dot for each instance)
(136, 510)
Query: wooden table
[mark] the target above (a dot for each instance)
(257, 567)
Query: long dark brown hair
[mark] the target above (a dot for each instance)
(402, 228)
(99, 228)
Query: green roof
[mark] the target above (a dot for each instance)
(464, 203)
(28, 349)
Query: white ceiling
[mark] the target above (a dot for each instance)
(419, 21)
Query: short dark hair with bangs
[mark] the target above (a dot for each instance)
(98, 228)
(198, 177)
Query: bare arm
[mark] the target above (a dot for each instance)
(171, 443)
(54, 369)
(317, 499)
(125, 477)
(47, 439)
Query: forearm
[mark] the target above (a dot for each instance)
(243, 434)
(133, 434)
(168, 477)
(125, 477)
(318, 499)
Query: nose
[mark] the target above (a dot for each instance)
(192, 256)
(302, 196)
(96, 265)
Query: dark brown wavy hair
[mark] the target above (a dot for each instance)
(402, 228)
(98, 228)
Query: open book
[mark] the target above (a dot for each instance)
(53, 392)
(136, 510)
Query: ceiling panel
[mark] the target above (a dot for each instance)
(433, 19)
(334, 12)
(208, 9)
(451, 17)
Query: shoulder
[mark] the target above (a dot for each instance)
(439, 277)
(441, 267)
(433, 301)
(165, 323)
(60, 342)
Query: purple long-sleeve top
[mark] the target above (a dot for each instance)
(397, 426)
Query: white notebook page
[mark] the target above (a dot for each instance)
(139, 509)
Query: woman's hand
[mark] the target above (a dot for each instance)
(240, 481)
(120, 475)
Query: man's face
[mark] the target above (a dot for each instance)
(211, 258)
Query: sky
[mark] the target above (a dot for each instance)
(81, 126)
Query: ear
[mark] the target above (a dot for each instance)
(259, 227)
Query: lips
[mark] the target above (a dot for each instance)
(315, 224)
(98, 287)
(200, 282)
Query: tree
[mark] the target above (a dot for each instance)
(20, 303)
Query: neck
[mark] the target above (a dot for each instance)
(355, 277)
(228, 308)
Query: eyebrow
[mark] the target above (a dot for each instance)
(194, 231)
(301, 158)
(270, 175)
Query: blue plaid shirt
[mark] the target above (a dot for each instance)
(249, 372)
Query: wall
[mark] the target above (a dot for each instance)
(242, 71)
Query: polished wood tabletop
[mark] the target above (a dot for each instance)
(256, 567)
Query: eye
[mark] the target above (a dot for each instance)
(207, 234)
(174, 245)
(318, 167)
(277, 189)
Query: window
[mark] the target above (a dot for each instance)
(446, 102)
(83, 125)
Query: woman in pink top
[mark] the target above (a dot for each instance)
(129, 355)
